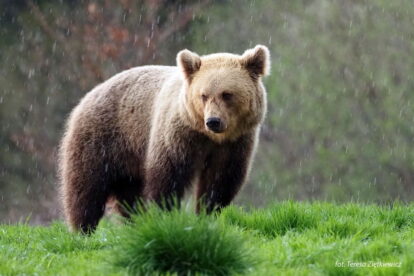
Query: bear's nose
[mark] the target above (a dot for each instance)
(214, 124)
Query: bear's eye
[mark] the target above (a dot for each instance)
(204, 97)
(227, 96)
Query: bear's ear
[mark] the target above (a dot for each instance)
(189, 63)
(257, 61)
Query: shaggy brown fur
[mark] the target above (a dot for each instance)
(142, 135)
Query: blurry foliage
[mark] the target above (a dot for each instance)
(341, 102)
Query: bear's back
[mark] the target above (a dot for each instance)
(121, 107)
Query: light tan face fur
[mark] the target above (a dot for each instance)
(224, 94)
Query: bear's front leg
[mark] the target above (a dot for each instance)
(224, 173)
(169, 171)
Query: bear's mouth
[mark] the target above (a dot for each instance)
(217, 131)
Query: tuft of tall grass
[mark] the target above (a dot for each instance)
(181, 242)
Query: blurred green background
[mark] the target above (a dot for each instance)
(341, 93)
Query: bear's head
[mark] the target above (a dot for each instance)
(223, 93)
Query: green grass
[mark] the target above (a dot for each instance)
(286, 238)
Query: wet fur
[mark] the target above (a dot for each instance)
(138, 136)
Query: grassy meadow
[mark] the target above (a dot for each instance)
(286, 238)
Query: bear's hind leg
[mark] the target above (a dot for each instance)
(86, 209)
(85, 197)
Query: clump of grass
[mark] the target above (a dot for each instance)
(181, 242)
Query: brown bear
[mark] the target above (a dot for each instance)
(149, 132)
